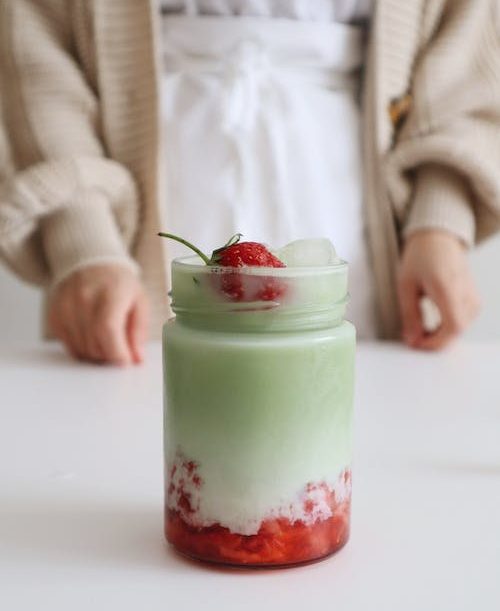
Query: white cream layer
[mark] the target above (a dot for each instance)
(202, 502)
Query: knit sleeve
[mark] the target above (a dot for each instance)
(442, 171)
(441, 200)
(66, 205)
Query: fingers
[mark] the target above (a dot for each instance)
(62, 328)
(458, 306)
(101, 315)
(84, 306)
(137, 328)
(109, 330)
(411, 314)
(70, 322)
(434, 265)
(69, 344)
(453, 319)
(437, 340)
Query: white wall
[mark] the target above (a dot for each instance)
(20, 304)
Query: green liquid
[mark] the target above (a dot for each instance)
(262, 414)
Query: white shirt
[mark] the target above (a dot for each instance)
(342, 11)
(262, 136)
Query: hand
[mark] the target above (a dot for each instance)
(100, 313)
(434, 265)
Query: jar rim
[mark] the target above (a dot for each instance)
(255, 299)
(193, 263)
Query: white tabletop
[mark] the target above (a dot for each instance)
(81, 492)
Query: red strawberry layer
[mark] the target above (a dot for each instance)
(278, 542)
(323, 529)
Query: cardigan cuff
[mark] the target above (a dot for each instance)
(83, 234)
(441, 200)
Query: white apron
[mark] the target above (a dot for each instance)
(262, 137)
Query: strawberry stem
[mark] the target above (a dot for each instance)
(231, 242)
(188, 244)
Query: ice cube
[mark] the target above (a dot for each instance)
(308, 253)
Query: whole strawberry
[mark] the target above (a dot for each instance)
(237, 254)
(240, 254)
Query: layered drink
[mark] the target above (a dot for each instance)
(258, 409)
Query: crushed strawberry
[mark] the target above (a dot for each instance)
(278, 542)
(191, 466)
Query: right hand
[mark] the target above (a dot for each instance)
(100, 313)
(434, 265)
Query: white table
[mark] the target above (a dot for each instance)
(81, 492)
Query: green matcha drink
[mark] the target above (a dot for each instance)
(258, 387)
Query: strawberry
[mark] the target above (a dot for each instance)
(240, 254)
(278, 542)
(237, 254)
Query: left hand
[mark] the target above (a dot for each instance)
(434, 265)
(100, 313)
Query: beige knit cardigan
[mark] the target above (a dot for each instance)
(81, 157)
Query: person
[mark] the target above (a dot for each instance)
(211, 117)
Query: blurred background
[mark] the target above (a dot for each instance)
(20, 304)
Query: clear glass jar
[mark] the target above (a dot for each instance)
(259, 375)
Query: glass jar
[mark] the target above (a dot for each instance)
(258, 375)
